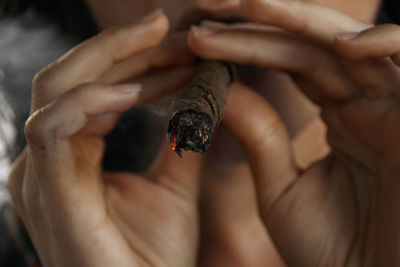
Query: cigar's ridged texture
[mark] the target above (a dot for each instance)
(203, 100)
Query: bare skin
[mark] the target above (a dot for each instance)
(341, 211)
(75, 214)
(331, 214)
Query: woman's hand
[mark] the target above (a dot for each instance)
(342, 210)
(75, 214)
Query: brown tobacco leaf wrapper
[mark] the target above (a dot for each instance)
(203, 100)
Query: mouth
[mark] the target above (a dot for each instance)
(195, 16)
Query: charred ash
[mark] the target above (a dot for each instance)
(192, 125)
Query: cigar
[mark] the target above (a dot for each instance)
(199, 113)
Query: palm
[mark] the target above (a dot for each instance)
(159, 225)
(331, 214)
(156, 216)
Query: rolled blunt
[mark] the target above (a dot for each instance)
(200, 111)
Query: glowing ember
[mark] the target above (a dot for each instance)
(174, 143)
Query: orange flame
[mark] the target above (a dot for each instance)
(174, 143)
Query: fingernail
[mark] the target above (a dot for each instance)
(128, 88)
(152, 15)
(347, 35)
(204, 30)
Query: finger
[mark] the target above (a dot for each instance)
(174, 51)
(310, 145)
(321, 24)
(162, 82)
(379, 41)
(68, 115)
(15, 180)
(101, 124)
(181, 176)
(232, 230)
(272, 49)
(267, 48)
(265, 141)
(30, 193)
(375, 122)
(305, 18)
(50, 130)
(93, 57)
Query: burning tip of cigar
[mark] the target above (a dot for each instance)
(190, 130)
(192, 125)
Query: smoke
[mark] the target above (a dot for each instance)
(27, 44)
(7, 134)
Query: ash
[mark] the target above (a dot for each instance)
(190, 130)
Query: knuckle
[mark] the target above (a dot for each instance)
(43, 77)
(35, 127)
(266, 135)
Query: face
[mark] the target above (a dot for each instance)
(183, 12)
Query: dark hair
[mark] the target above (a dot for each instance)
(389, 12)
(71, 15)
(12, 6)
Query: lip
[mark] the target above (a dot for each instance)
(194, 16)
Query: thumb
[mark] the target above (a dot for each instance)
(266, 142)
(379, 41)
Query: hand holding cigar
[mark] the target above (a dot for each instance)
(192, 125)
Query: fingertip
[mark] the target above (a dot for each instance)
(196, 42)
(347, 36)
(159, 23)
(155, 17)
(345, 44)
(207, 41)
(163, 23)
(374, 42)
(192, 37)
(152, 16)
(128, 88)
(154, 26)
(154, 22)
